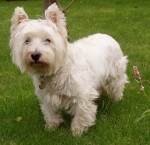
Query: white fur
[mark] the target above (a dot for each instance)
(74, 73)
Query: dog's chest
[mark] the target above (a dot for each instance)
(59, 90)
(62, 84)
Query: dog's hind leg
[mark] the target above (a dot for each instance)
(117, 80)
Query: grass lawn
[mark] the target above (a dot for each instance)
(128, 21)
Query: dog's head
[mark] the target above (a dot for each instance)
(39, 46)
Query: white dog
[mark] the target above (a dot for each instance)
(66, 75)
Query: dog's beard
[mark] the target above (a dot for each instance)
(45, 64)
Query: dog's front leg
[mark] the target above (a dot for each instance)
(51, 115)
(84, 115)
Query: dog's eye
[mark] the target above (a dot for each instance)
(48, 40)
(27, 41)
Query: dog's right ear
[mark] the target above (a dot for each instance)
(18, 17)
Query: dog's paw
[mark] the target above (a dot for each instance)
(50, 126)
(78, 131)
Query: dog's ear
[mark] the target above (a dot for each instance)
(54, 15)
(18, 17)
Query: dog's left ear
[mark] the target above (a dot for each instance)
(18, 17)
(57, 17)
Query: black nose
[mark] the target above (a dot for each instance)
(35, 56)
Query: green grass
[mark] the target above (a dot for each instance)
(128, 21)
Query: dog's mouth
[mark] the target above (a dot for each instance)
(38, 63)
(38, 66)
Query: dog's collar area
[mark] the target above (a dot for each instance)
(42, 82)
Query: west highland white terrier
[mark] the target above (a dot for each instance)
(66, 75)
